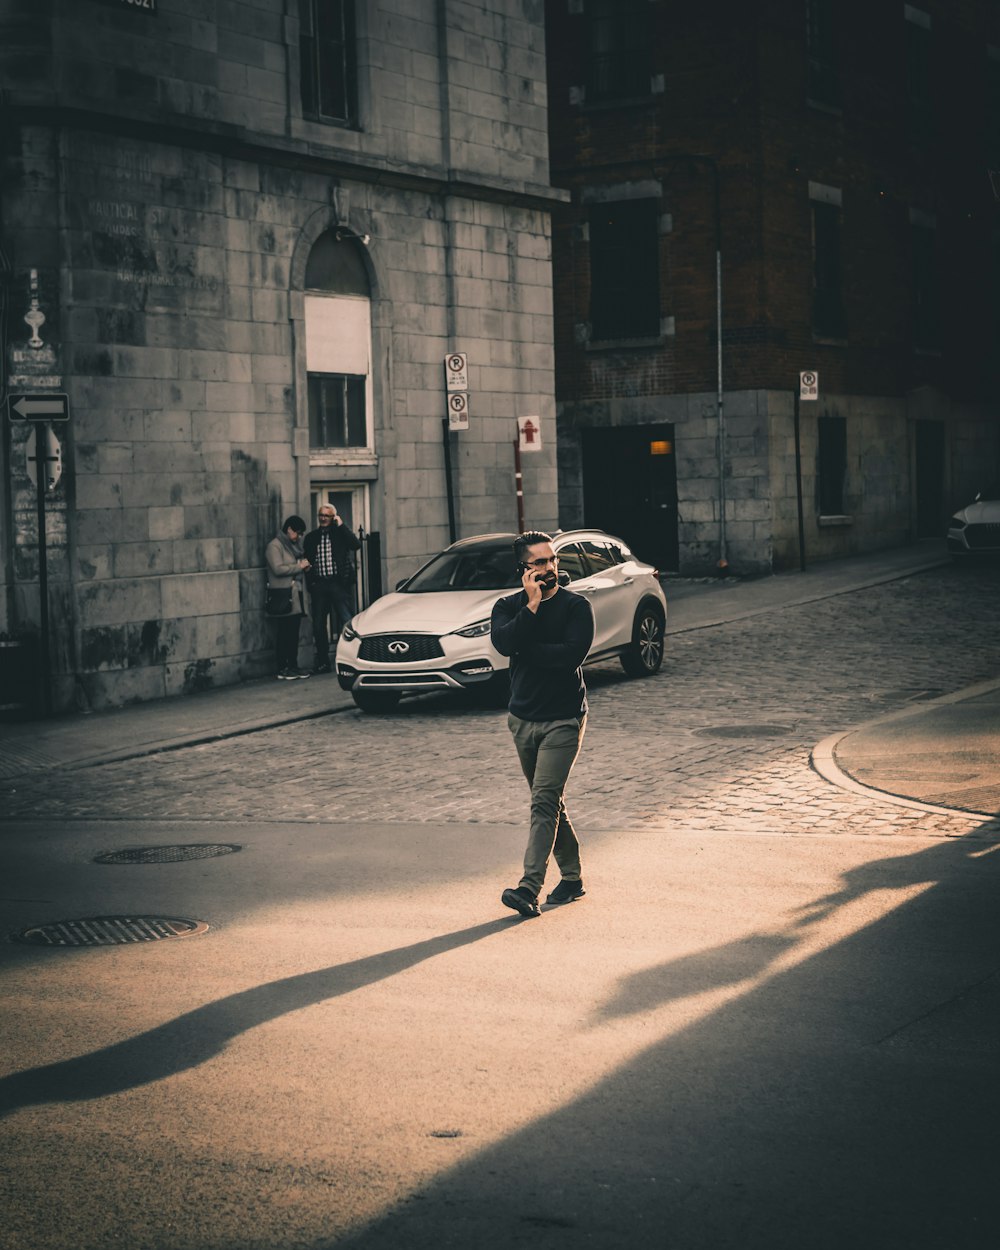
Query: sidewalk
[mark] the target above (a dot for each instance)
(870, 755)
(943, 754)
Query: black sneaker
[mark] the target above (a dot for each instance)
(296, 674)
(521, 900)
(284, 675)
(566, 892)
(322, 668)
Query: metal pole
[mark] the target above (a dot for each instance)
(720, 418)
(447, 477)
(798, 490)
(519, 485)
(41, 472)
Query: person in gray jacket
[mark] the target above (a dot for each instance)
(286, 566)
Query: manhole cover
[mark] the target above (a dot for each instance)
(744, 731)
(110, 931)
(166, 854)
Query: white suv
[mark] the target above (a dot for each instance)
(433, 631)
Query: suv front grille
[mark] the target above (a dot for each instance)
(400, 648)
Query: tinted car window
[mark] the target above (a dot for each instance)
(571, 561)
(618, 553)
(599, 557)
(485, 568)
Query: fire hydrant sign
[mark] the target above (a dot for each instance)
(809, 385)
(458, 411)
(529, 434)
(456, 371)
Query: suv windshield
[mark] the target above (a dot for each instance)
(472, 568)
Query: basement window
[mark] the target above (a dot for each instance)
(831, 468)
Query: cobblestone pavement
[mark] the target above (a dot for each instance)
(720, 741)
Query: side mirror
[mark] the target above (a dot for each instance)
(563, 579)
(400, 584)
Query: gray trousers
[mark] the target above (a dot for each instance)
(547, 750)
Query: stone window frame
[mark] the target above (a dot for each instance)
(314, 129)
(312, 61)
(356, 465)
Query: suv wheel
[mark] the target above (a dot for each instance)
(645, 652)
(375, 700)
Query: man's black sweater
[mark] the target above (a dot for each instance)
(546, 650)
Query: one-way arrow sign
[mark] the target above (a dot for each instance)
(50, 407)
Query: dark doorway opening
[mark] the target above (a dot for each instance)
(630, 489)
(930, 479)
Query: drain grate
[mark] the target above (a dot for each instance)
(744, 731)
(167, 854)
(109, 931)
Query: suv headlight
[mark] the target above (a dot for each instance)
(478, 630)
(348, 634)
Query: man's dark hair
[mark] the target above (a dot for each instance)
(528, 539)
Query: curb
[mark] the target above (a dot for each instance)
(823, 755)
(201, 739)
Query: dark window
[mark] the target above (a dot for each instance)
(832, 468)
(926, 296)
(828, 300)
(336, 264)
(599, 557)
(919, 100)
(337, 410)
(821, 52)
(994, 298)
(620, 39)
(624, 270)
(992, 119)
(571, 561)
(328, 64)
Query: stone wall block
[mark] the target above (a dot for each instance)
(143, 559)
(121, 687)
(200, 594)
(99, 490)
(119, 601)
(203, 555)
(166, 523)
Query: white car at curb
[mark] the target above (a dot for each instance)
(433, 631)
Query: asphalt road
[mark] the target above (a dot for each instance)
(771, 1023)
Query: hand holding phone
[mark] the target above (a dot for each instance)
(532, 583)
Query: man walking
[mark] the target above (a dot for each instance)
(331, 580)
(546, 631)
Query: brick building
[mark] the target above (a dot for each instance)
(241, 237)
(835, 155)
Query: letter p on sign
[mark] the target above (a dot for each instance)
(809, 385)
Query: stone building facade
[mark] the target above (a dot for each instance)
(254, 230)
(834, 158)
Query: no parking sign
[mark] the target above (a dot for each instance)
(809, 384)
(458, 411)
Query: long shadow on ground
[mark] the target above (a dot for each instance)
(849, 1101)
